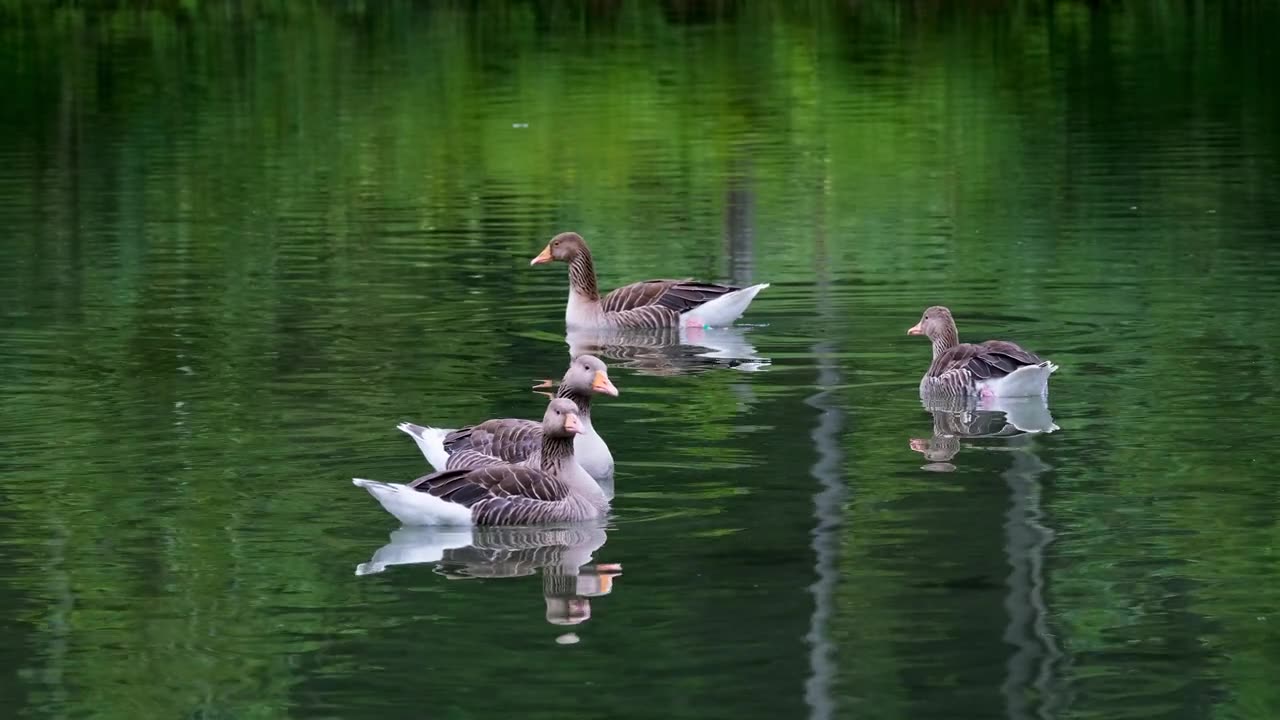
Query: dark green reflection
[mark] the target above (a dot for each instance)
(244, 239)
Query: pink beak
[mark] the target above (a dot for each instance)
(915, 329)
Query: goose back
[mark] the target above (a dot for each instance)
(677, 295)
(471, 459)
(514, 440)
(983, 361)
(508, 439)
(959, 370)
(508, 495)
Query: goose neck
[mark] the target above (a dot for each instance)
(582, 276)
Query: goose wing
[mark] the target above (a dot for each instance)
(471, 459)
(985, 361)
(677, 295)
(648, 317)
(499, 494)
(508, 439)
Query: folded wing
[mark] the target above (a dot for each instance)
(676, 295)
(508, 439)
(985, 361)
(499, 494)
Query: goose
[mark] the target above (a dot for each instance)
(503, 494)
(513, 440)
(647, 304)
(995, 368)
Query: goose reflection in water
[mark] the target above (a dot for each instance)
(564, 555)
(669, 351)
(1034, 684)
(955, 419)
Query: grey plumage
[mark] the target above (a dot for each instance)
(958, 368)
(515, 440)
(520, 494)
(645, 304)
(676, 296)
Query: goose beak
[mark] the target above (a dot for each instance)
(571, 424)
(543, 257)
(915, 329)
(602, 384)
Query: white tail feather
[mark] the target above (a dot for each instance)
(724, 309)
(1027, 381)
(412, 507)
(430, 441)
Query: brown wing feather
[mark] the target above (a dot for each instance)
(497, 494)
(685, 296)
(470, 460)
(678, 295)
(653, 316)
(636, 295)
(508, 439)
(985, 361)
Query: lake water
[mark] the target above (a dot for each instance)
(243, 241)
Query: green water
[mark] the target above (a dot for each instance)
(243, 240)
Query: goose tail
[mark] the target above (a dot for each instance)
(724, 309)
(1027, 381)
(412, 507)
(430, 441)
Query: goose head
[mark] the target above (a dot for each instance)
(936, 323)
(561, 419)
(564, 248)
(588, 375)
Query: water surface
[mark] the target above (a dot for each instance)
(243, 241)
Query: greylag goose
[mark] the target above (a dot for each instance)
(995, 368)
(503, 494)
(647, 304)
(513, 440)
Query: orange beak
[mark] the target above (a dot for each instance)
(602, 385)
(571, 424)
(915, 329)
(543, 257)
